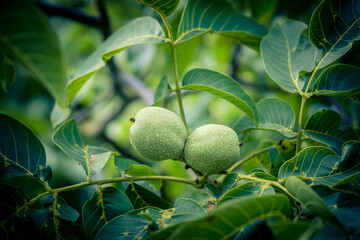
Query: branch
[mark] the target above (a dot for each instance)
(242, 161)
(67, 12)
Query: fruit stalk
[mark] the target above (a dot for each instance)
(176, 71)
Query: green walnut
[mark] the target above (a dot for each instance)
(212, 148)
(158, 134)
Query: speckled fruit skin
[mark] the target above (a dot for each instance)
(158, 134)
(212, 148)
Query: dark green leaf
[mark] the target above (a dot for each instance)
(27, 37)
(214, 190)
(20, 150)
(255, 230)
(262, 174)
(222, 86)
(276, 114)
(344, 205)
(286, 52)
(103, 207)
(20, 226)
(279, 154)
(243, 126)
(339, 80)
(323, 166)
(186, 209)
(333, 27)
(200, 17)
(162, 91)
(261, 10)
(141, 197)
(204, 199)
(143, 170)
(311, 201)
(92, 158)
(246, 189)
(232, 216)
(293, 230)
(229, 181)
(325, 127)
(125, 227)
(123, 163)
(139, 31)
(163, 7)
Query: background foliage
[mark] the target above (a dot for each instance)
(72, 73)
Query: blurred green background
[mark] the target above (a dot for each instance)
(104, 106)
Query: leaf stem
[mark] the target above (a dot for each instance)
(176, 70)
(298, 137)
(242, 161)
(274, 183)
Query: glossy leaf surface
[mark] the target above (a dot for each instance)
(222, 86)
(139, 31)
(218, 16)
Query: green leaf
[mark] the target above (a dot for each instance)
(286, 52)
(186, 209)
(141, 197)
(92, 158)
(325, 127)
(339, 80)
(214, 190)
(125, 227)
(200, 17)
(7, 72)
(311, 201)
(162, 91)
(222, 86)
(102, 207)
(35, 47)
(246, 189)
(163, 7)
(232, 216)
(261, 10)
(279, 154)
(333, 27)
(204, 199)
(262, 174)
(143, 170)
(139, 31)
(255, 230)
(344, 205)
(230, 180)
(20, 226)
(243, 126)
(21, 152)
(123, 163)
(323, 166)
(276, 114)
(293, 230)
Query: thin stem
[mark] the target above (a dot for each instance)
(101, 199)
(242, 161)
(298, 138)
(124, 179)
(176, 70)
(280, 186)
